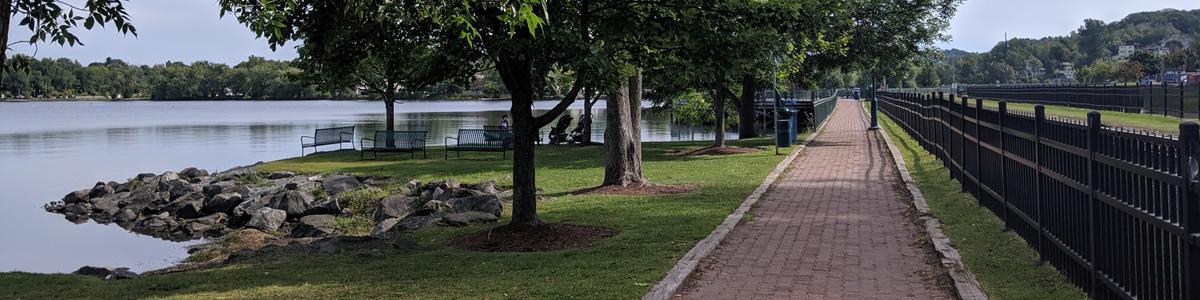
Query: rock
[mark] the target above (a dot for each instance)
(126, 215)
(122, 188)
(212, 190)
(340, 183)
(100, 190)
(329, 206)
(267, 219)
(243, 211)
(450, 184)
(486, 203)
(280, 175)
(168, 176)
(143, 176)
(106, 206)
(506, 195)
(295, 203)
(176, 188)
(93, 271)
(76, 196)
(315, 226)
(188, 206)
(156, 225)
(222, 203)
(121, 273)
(413, 185)
(461, 193)
(395, 206)
(196, 228)
(212, 220)
(384, 226)
(441, 194)
(437, 206)
(192, 172)
(488, 186)
(426, 195)
(291, 186)
(81, 208)
(468, 218)
(415, 222)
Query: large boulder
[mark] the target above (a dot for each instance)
(295, 203)
(384, 226)
(125, 216)
(315, 226)
(485, 203)
(93, 271)
(468, 218)
(329, 206)
(100, 190)
(192, 172)
(267, 219)
(280, 175)
(441, 194)
(176, 188)
(106, 206)
(76, 196)
(246, 209)
(340, 183)
(396, 206)
(223, 203)
(488, 186)
(188, 206)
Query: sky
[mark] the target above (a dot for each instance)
(192, 30)
(980, 24)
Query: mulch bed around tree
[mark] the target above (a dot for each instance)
(727, 150)
(537, 238)
(638, 190)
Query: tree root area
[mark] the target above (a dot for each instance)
(648, 189)
(727, 150)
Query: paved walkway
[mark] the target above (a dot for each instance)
(832, 227)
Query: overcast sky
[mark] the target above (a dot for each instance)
(980, 24)
(191, 30)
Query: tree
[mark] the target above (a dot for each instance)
(54, 20)
(1149, 63)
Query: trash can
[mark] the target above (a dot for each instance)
(785, 131)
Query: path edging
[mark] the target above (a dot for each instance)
(965, 284)
(666, 288)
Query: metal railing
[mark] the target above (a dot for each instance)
(1115, 211)
(1178, 100)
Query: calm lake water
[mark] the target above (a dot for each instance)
(50, 148)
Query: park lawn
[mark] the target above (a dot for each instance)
(654, 232)
(1006, 266)
(1157, 123)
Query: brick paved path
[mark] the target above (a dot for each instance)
(832, 227)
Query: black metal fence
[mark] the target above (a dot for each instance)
(1178, 100)
(1114, 211)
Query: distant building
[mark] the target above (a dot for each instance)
(1067, 70)
(1125, 51)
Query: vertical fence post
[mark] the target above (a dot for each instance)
(1003, 114)
(1181, 89)
(1164, 93)
(962, 144)
(1093, 139)
(1189, 137)
(978, 146)
(1039, 114)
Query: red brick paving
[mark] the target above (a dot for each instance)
(832, 227)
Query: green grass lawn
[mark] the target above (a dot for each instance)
(1004, 264)
(1150, 122)
(654, 232)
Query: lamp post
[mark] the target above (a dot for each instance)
(874, 105)
(775, 90)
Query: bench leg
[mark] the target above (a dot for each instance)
(446, 154)
(425, 153)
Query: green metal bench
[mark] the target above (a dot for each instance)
(480, 140)
(328, 136)
(394, 141)
(536, 138)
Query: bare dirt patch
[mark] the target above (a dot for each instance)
(648, 189)
(536, 238)
(727, 150)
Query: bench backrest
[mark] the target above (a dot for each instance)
(333, 135)
(400, 139)
(485, 138)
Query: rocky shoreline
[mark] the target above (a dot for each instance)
(256, 210)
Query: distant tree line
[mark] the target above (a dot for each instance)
(1090, 50)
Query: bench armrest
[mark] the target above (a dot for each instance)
(362, 145)
(447, 141)
(305, 136)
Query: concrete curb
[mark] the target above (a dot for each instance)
(666, 288)
(965, 284)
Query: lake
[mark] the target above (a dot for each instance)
(48, 149)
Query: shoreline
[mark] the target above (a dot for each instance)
(254, 100)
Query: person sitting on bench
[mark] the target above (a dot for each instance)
(504, 122)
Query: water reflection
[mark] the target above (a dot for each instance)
(50, 148)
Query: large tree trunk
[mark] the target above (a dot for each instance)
(719, 110)
(389, 101)
(517, 78)
(623, 137)
(746, 115)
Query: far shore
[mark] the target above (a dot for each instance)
(97, 99)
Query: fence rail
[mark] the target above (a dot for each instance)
(1177, 100)
(1115, 211)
